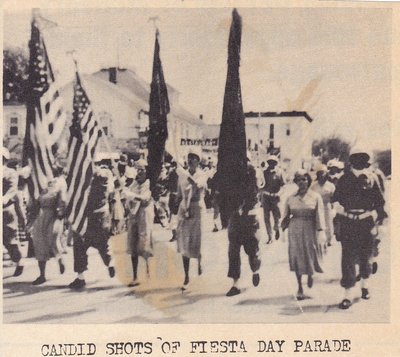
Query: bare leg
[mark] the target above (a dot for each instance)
(300, 292)
(186, 263)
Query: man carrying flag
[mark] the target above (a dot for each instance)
(89, 188)
(236, 178)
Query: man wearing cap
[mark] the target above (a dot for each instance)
(242, 231)
(270, 196)
(10, 213)
(335, 170)
(359, 205)
(99, 225)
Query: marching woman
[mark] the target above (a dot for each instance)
(140, 219)
(326, 189)
(304, 216)
(191, 188)
(47, 225)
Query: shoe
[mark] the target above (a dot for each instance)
(329, 244)
(173, 239)
(233, 291)
(39, 280)
(133, 284)
(61, 266)
(300, 296)
(374, 267)
(277, 235)
(111, 272)
(365, 294)
(215, 229)
(18, 270)
(345, 304)
(269, 241)
(358, 277)
(256, 279)
(77, 284)
(310, 281)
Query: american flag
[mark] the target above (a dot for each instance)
(85, 133)
(45, 118)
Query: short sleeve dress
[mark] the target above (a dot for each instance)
(306, 217)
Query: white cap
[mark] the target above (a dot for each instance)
(272, 158)
(335, 163)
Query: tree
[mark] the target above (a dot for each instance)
(384, 160)
(15, 75)
(333, 147)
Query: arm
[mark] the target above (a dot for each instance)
(320, 215)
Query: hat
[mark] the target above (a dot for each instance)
(193, 155)
(360, 153)
(335, 163)
(272, 158)
(6, 153)
(141, 164)
(321, 168)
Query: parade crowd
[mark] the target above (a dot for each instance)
(341, 201)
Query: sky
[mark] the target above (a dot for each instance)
(334, 63)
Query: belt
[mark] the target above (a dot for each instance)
(270, 194)
(358, 216)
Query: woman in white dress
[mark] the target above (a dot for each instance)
(304, 216)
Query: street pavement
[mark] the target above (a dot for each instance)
(159, 299)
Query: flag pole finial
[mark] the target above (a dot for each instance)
(154, 19)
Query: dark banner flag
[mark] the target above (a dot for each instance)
(159, 108)
(232, 160)
(45, 119)
(85, 132)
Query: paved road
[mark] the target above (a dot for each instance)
(159, 299)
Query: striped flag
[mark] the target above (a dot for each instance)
(45, 119)
(85, 133)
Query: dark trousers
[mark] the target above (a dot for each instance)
(96, 238)
(357, 243)
(12, 249)
(242, 232)
(270, 206)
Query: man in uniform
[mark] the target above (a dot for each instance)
(99, 225)
(242, 230)
(270, 196)
(359, 205)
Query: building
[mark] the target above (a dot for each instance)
(119, 99)
(287, 135)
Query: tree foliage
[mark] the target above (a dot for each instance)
(15, 75)
(384, 160)
(333, 147)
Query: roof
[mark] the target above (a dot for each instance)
(277, 115)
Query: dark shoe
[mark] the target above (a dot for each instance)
(269, 241)
(186, 281)
(233, 291)
(277, 235)
(365, 294)
(329, 244)
(300, 297)
(374, 267)
(77, 284)
(61, 266)
(173, 239)
(345, 304)
(18, 270)
(215, 229)
(39, 280)
(310, 281)
(133, 284)
(111, 272)
(358, 277)
(256, 279)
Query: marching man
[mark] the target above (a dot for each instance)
(359, 205)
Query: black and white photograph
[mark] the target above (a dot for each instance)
(226, 165)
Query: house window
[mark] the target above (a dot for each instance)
(13, 126)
